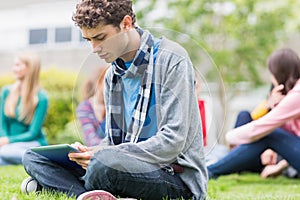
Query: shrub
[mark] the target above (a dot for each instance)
(70, 134)
(60, 85)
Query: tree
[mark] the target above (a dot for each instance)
(228, 41)
(238, 35)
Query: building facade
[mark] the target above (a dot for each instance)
(43, 26)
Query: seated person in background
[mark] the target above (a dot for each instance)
(23, 110)
(274, 164)
(91, 111)
(277, 130)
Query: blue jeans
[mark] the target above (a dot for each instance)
(246, 157)
(12, 153)
(243, 118)
(109, 170)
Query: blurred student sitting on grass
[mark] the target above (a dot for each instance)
(277, 130)
(23, 110)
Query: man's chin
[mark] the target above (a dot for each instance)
(109, 60)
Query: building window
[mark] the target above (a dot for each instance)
(38, 36)
(63, 34)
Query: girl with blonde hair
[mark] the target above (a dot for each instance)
(23, 110)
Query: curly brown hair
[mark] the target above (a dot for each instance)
(90, 13)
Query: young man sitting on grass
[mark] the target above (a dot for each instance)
(153, 149)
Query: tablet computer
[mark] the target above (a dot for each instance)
(58, 153)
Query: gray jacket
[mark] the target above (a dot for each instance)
(179, 136)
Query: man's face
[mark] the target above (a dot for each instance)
(108, 41)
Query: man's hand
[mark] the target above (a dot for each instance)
(83, 158)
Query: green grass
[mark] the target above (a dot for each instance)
(232, 187)
(253, 187)
(10, 183)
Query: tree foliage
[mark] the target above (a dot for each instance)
(238, 35)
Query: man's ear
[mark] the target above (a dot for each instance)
(126, 23)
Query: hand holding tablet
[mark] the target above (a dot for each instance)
(58, 153)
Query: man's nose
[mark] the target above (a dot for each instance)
(96, 46)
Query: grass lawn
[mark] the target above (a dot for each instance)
(232, 187)
(253, 187)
